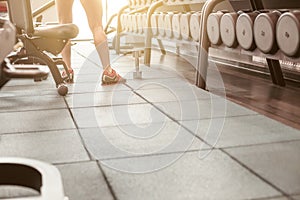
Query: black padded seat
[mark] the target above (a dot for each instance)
(39, 41)
(60, 31)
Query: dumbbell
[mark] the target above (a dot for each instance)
(213, 28)
(145, 22)
(132, 2)
(227, 29)
(168, 24)
(140, 24)
(264, 31)
(160, 24)
(124, 20)
(185, 25)
(288, 33)
(195, 25)
(176, 25)
(244, 30)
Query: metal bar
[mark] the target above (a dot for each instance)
(202, 62)
(274, 65)
(257, 4)
(148, 34)
(276, 72)
(161, 47)
(109, 22)
(43, 8)
(139, 10)
(119, 29)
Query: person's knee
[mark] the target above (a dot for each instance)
(99, 32)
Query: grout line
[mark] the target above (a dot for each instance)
(260, 144)
(77, 129)
(255, 173)
(30, 110)
(73, 162)
(35, 132)
(105, 106)
(110, 188)
(273, 198)
(153, 154)
(130, 157)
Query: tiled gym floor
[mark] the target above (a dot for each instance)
(150, 138)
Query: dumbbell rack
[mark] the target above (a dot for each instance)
(149, 35)
(136, 6)
(150, 7)
(272, 59)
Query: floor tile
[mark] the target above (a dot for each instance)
(117, 115)
(203, 109)
(87, 68)
(214, 177)
(168, 94)
(103, 99)
(297, 197)
(84, 181)
(145, 84)
(7, 192)
(29, 82)
(149, 75)
(53, 147)
(242, 130)
(35, 121)
(91, 57)
(87, 78)
(214, 78)
(94, 87)
(31, 103)
(128, 141)
(276, 198)
(284, 159)
(28, 90)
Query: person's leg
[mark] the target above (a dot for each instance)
(93, 11)
(64, 12)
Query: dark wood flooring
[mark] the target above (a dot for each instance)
(252, 90)
(258, 93)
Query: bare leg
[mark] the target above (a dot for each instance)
(64, 11)
(93, 11)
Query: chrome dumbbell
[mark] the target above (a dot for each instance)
(288, 33)
(244, 30)
(264, 31)
(228, 29)
(213, 28)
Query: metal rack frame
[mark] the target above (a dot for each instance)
(202, 63)
(203, 44)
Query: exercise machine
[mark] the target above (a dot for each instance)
(7, 37)
(40, 45)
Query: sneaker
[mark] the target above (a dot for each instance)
(64, 75)
(112, 77)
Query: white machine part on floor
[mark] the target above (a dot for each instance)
(40, 176)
